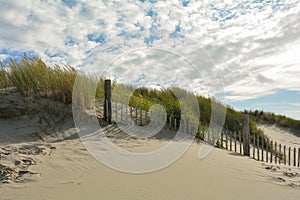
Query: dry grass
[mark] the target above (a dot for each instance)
(32, 77)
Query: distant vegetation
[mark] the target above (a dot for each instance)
(32, 77)
(271, 118)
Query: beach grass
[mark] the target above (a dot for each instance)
(32, 77)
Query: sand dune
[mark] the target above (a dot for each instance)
(281, 136)
(67, 171)
(42, 158)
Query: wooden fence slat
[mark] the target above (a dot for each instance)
(146, 118)
(234, 141)
(262, 149)
(230, 139)
(275, 152)
(294, 157)
(240, 140)
(213, 136)
(267, 151)
(136, 115)
(208, 135)
(258, 158)
(121, 113)
(116, 112)
(289, 156)
(107, 102)
(298, 157)
(253, 146)
(131, 113)
(226, 135)
(284, 154)
(279, 158)
(141, 116)
(222, 135)
(126, 110)
(271, 151)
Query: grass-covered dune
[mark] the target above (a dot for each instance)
(32, 77)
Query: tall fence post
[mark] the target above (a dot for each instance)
(107, 101)
(246, 135)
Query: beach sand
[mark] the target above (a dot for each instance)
(65, 170)
(42, 158)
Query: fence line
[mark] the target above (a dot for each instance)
(262, 149)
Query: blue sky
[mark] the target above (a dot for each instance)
(254, 45)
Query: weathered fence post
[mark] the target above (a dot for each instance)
(279, 159)
(267, 151)
(294, 157)
(226, 137)
(284, 154)
(289, 155)
(107, 101)
(275, 152)
(258, 158)
(230, 139)
(262, 149)
(136, 115)
(121, 113)
(116, 112)
(222, 135)
(126, 110)
(254, 146)
(141, 116)
(271, 151)
(246, 135)
(298, 157)
(234, 141)
(240, 140)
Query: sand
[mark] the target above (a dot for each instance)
(281, 135)
(40, 162)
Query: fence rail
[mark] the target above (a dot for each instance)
(260, 148)
(257, 147)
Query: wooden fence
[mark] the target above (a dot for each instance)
(258, 148)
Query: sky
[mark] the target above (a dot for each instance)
(245, 53)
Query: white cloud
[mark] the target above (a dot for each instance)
(255, 45)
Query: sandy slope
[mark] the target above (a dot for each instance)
(42, 158)
(280, 135)
(68, 171)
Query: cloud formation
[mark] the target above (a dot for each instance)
(253, 43)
